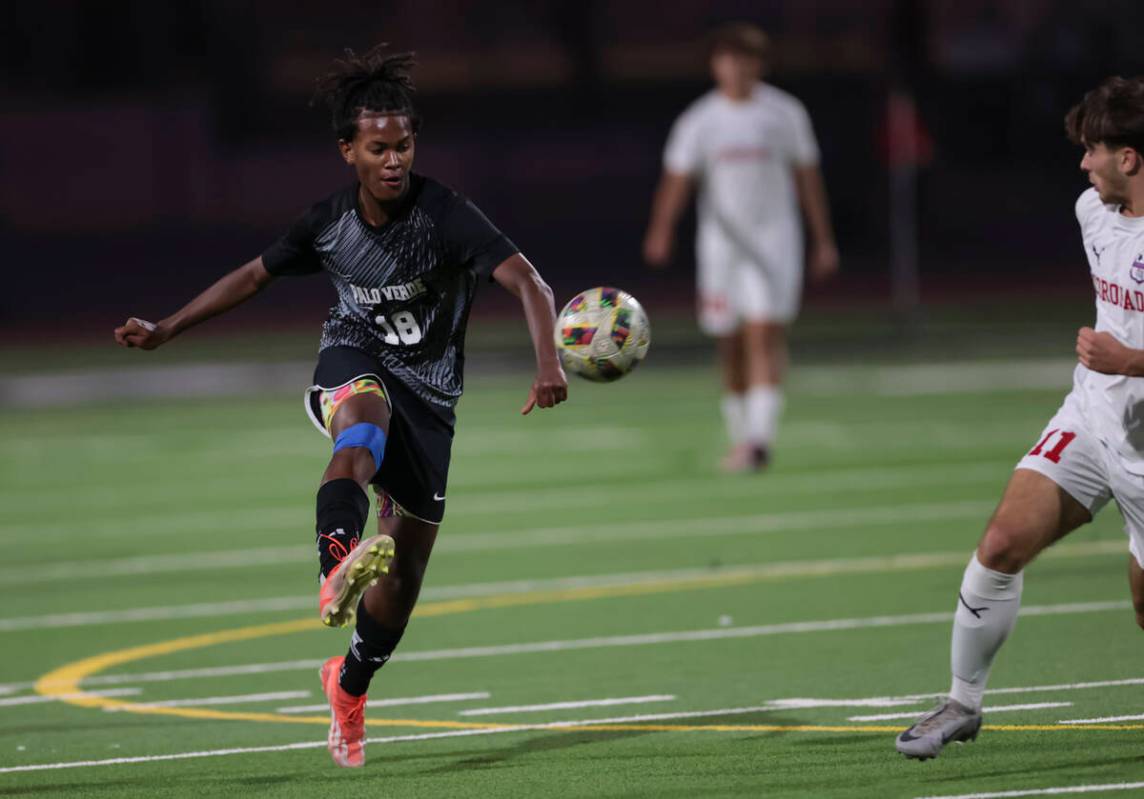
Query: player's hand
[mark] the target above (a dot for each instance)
(550, 388)
(141, 333)
(823, 261)
(1101, 352)
(657, 247)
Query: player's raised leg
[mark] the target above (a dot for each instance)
(382, 616)
(349, 562)
(1034, 512)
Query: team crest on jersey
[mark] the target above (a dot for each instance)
(1137, 269)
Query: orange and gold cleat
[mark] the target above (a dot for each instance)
(346, 740)
(367, 562)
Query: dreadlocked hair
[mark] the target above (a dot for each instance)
(372, 82)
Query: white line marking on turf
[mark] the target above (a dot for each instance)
(498, 730)
(717, 633)
(161, 613)
(1103, 719)
(991, 709)
(408, 700)
(715, 526)
(207, 701)
(798, 568)
(469, 503)
(625, 700)
(189, 674)
(13, 701)
(1058, 791)
(799, 703)
(913, 699)
(619, 530)
(566, 496)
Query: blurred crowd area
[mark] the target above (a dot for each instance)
(148, 146)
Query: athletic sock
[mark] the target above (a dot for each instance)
(342, 511)
(735, 417)
(370, 648)
(764, 404)
(986, 612)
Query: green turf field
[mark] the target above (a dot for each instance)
(590, 553)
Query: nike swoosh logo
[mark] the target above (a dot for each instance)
(975, 611)
(438, 497)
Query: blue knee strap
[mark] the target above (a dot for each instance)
(365, 435)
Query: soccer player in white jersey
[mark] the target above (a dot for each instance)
(1093, 449)
(750, 149)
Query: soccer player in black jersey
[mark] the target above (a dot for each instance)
(405, 254)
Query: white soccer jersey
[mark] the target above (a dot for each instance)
(742, 154)
(1114, 404)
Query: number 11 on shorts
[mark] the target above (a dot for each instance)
(1054, 454)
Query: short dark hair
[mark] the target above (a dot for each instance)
(742, 38)
(375, 81)
(1112, 114)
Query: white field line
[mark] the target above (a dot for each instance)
(1103, 719)
(279, 519)
(649, 639)
(498, 730)
(210, 701)
(161, 613)
(13, 701)
(400, 701)
(716, 526)
(466, 504)
(245, 558)
(913, 699)
(216, 379)
(799, 703)
(208, 672)
(991, 709)
(782, 569)
(625, 700)
(1059, 791)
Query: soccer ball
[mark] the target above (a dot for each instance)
(602, 334)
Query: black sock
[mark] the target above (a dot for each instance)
(342, 511)
(370, 648)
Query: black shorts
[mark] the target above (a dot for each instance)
(415, 467)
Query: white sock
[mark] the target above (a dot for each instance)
(764, 405)
(986, 612)
(735, 417)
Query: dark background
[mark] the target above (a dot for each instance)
(146, 147)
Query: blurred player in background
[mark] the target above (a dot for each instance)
(406, 255)
(752, 152)
(1093, 449)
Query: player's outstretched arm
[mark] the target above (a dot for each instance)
(670, 199)
(232, 289)
(1102, 352)
(812, 197)
(520, 277)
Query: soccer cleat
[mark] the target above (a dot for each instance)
(346, 740)
(950, 722)
(367, 562)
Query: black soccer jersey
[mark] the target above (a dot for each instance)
(405, 288)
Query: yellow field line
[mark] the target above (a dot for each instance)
(64, 682)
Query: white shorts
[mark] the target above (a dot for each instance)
(1073, 457)
(735, 288)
